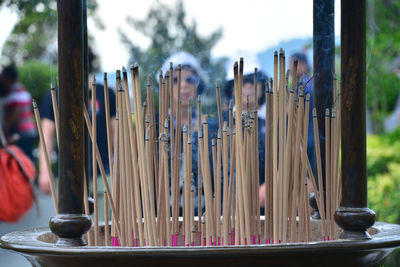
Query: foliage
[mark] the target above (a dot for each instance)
(37, 76)
(383, 48)
(383, 161)
(169, 33)
(35, 34)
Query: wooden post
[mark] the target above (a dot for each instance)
(71, 223)
(353, 215)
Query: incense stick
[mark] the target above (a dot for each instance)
(86, 206)
(55, 111)
(319, 169)
(225, 207)
(102, 171)
(297, 177)
(46, 156)
(328, 172)
(106, 229)
(275, 140)
(108, 124)
(94, 164)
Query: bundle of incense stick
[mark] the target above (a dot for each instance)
(151, 166)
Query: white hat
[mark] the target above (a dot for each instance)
(185, 59)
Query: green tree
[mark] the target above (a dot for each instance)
(35, 34)
(383, 48)
(168, 31)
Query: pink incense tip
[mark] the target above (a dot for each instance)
(259, 239)
(219, 241)
(114, 241)
(253, 239)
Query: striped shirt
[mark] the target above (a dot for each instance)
(19, 100)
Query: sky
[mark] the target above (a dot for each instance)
(248, 26)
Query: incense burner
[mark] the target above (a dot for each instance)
(38, 247)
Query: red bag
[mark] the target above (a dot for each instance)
(16, 173)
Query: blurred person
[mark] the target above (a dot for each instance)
(19, 125)
(48, 126)
(248, 95)
(193, 83)
(304, 77)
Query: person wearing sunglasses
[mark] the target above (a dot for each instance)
(193, 82)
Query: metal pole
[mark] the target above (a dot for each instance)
(324, 65)
(70, 224)
(353, 215)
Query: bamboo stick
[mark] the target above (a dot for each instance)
(190, 221)
(267, 167)
(46, 156)
(281, 136)
(55, 111)
(185, 228)
(150, 186)
(199, 170)
(164, 139)
(297, 176)
(286, 170)
(141, 153)
(319, 169)
(122, 168)
(94, 164)
(133, 163)
(177, 150)
(328, 172)
(102, 171)
(86, 206)
(207, 183)
(106, 226)
(225, 206)
(238, 97)
(231, 192)
(275, 140)
(217, 187)
(108, 124)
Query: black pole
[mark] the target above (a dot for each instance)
(353, 215)
(70, 224)
(86, 89)
(324, 65)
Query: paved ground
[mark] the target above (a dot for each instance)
(32, 219)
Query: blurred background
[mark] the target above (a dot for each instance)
(124, 32)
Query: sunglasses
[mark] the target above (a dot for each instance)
(191, 79)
